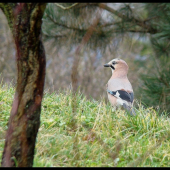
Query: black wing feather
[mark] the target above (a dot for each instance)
(123, 95)
(132, 97)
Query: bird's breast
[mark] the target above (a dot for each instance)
(119, 84)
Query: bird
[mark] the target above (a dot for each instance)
(119, 89)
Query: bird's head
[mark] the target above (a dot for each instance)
(118, 66)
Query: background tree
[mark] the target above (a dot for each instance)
(25, 23)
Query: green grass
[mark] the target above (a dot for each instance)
(104, 137)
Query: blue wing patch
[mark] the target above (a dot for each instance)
(123, 95)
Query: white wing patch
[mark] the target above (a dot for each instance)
(117, 95)
(119, 100)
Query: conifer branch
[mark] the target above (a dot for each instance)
(64, 25)
(140, 23)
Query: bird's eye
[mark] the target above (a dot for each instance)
(114, 62)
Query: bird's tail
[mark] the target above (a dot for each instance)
(129, 109)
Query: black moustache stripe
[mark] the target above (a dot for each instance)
(112, 67)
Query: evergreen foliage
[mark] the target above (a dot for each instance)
(68, 26)
(157, 82)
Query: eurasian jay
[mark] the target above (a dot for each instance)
(119, 89)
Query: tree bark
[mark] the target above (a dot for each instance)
(25, 21)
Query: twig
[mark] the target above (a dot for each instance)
(65, 8)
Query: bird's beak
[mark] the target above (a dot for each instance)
(106, 65)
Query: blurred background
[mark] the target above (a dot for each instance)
(138, 33)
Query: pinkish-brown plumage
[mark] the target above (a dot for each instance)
(119, 89)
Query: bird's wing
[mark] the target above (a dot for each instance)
(122, 95)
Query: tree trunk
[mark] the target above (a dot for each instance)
(25, 21)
